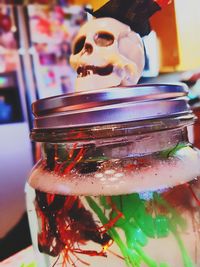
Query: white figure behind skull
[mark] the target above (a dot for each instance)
(106, 53)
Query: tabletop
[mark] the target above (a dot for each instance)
(24, 258)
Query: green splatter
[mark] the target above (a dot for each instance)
(138, 217)
(174, 216)
(139, 225)
(172, 151)
(130, 258)
(135, 237)
(161, 226)
(175, 222)
(32, 264)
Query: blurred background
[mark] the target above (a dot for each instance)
(35, 45)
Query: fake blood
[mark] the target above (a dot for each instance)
(66, 224)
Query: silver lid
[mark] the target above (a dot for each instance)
(112, 105)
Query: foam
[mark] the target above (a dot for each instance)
(160, 175)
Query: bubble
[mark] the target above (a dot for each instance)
(113, 179)
(98, 175)
(118, 175)
(109, 172)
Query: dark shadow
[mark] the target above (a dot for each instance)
(17, 239)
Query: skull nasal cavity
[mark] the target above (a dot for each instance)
(88, 48)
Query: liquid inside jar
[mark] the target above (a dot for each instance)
(140, 210)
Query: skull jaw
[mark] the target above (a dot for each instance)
(94, 81)
(120, 76)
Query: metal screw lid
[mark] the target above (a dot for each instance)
(112, 105)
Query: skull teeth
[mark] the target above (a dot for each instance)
(83, 74)
(83, 71)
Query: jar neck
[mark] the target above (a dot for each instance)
(122, 146)
(119, 130)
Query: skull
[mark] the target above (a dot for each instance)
(106, 53)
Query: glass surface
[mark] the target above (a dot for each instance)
(116, 203)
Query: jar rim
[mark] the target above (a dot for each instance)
(112, 105)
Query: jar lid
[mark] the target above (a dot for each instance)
(112, 105)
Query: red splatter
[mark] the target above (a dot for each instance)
(75, 161)
(72, 160)
(66, 224)
(193, 194)
(163, 3)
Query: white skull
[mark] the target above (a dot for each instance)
(106, 53)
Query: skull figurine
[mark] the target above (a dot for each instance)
(106, 53)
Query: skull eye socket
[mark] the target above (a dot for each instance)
(79, 44)
(103, 39)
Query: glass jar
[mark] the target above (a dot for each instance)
(117, 183)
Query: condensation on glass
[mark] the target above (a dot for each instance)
(117, 183)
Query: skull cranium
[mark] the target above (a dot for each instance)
(106, 53)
